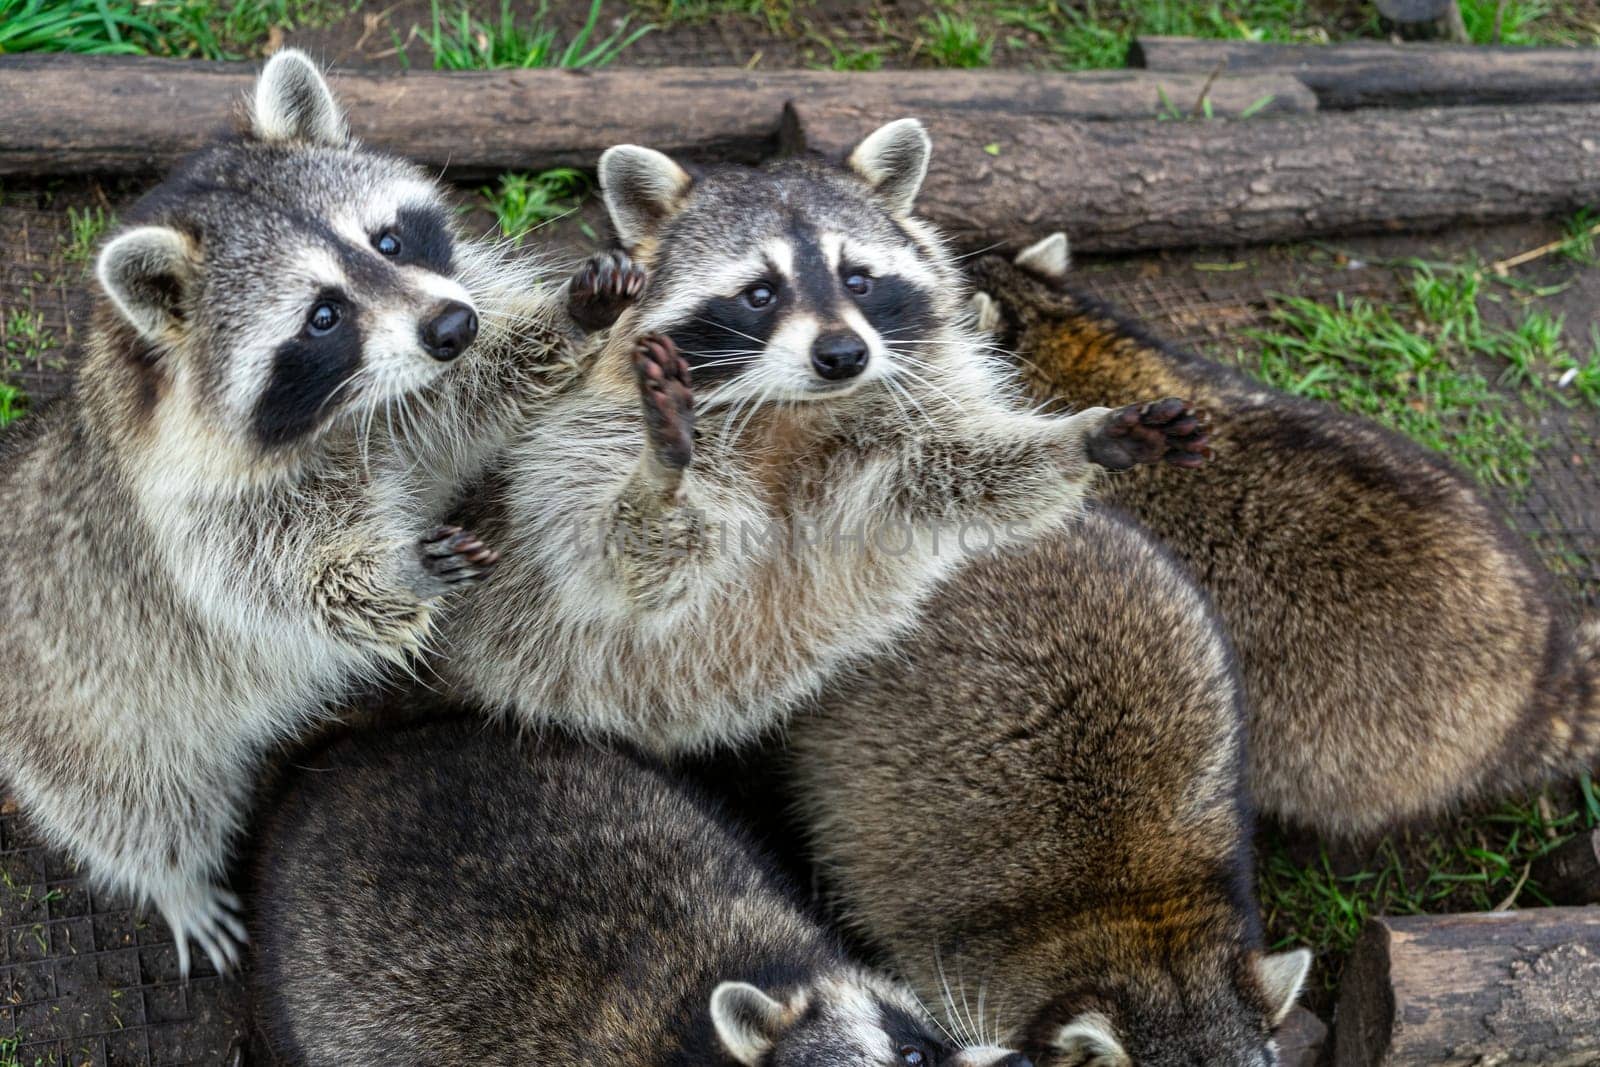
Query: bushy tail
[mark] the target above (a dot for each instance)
(1564, 738)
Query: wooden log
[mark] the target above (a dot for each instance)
(69, 114)
(1300, 1039)
(1571, 874)
(1375, 74)
(1500, 987)
(1118, 187)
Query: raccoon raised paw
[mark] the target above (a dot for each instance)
(208, 915)
(603, 289)
(668, 398)
(455, 557)
(1162, 431)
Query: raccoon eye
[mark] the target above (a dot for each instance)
(858, 283)
(387, 243)
(912, 1056)
(323, 318)
(759, 295)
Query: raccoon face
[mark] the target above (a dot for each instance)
(1164, 1024)
(796, 282)
(848, 1021)
(281, 280)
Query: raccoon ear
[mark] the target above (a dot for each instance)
(893, 160)
(748, 1021)
(1281, 975)
(985, 311)
(294, 103)
(145, 272)
(642, 189)
(1050, 257)
(1089, 1039)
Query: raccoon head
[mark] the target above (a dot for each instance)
(285, 278)
(1012, 292)
(798, 281)
(848, 1020)
(1171, 1020)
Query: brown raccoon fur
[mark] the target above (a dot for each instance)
(435, 895)
(1400, 652)
(1035, 805)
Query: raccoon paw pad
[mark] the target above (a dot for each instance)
(455, 556)
(603, 289)
(668, 397)
(1163, 431)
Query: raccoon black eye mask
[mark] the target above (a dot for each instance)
(296, 366)
(801, 359)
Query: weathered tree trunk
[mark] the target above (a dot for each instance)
(1117, 187)
(1571, 874)
(1502, 987)
(67, 114)
(1300, 1039)
(1373, 74)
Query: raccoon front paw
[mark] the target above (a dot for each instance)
(668, 398)
(1163, 431)
(208, 915)
(453, 557)
(603, 289)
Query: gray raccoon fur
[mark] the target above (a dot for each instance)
(220, 528)
(1401, 652)
(438, 896)
(651, 588)
(1034, 804)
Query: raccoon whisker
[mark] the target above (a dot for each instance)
(961, 985)
(896, 390)
(918, 379)
(949, 999)
(730, 329)
(973, 255)
(929, 1013)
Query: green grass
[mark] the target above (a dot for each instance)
(206, 29)
(461, 42)
(778, 14)
(848, 56)
(1521, 22)
(13, 404)
(523, 202)
(1478, 863)
(84, 229)
(956, 41)
(1097, 34)
(1432, 371)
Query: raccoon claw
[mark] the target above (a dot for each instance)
(209, 917)
(603, 289)
(668, 398)
(453, 556)
(1163, 431)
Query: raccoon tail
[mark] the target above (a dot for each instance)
(1564, 738)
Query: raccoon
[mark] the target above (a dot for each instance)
(436, 895)
(680, 579)
(1401, 653)
(1038, 794)
(234, 513)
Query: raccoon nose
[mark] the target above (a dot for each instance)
(449, 332)
(1015, 1059)
(837, 356)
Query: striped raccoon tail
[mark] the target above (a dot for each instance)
(1562, 738)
